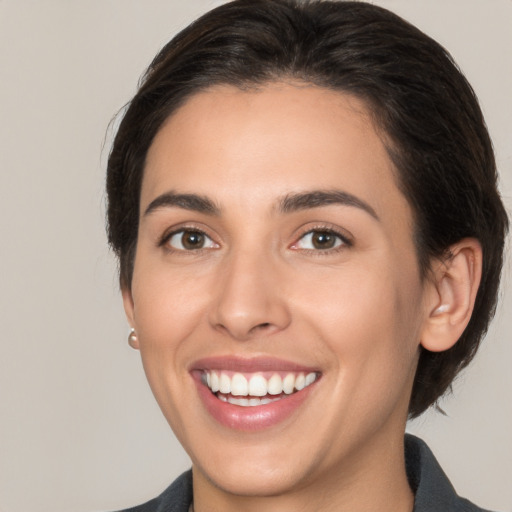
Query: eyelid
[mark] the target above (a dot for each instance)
(346, 239)
(174, 230)
(343, 235)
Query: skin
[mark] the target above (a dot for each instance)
(357, 312)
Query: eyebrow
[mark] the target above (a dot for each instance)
(288, 204)
(191, 202)
(318, 198)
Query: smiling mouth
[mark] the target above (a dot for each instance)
(255, 389)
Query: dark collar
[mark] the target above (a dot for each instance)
(433, 491)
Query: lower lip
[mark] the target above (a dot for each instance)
(251, 418)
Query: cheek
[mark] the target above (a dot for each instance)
(168, 307)
(353, 300)
(167, 304)
(368, 320)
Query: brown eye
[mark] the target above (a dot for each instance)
(190, 240)
(323, 240)
(320, 240)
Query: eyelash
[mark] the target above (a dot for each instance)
(167, 237)
(345, 241)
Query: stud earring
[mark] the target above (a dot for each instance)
(132, 339)
(443, 308)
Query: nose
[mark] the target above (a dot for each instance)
(249, 302)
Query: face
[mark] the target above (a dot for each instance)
(276, 293)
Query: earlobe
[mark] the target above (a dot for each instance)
(455, 282)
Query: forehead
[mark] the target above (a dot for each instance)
(271, 141)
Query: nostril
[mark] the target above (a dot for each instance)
(262, 326)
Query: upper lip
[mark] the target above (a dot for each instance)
(249, 365)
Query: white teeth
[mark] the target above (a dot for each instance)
(247, 402)
(214, 382)
(224, 383)
(289, 383)
(239, 386)
(300, 382)
(258, 385)
(239, 401)
(275, 385)
(255, 385)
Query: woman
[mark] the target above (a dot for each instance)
(303, 200)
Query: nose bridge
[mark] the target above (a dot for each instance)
(248, 301)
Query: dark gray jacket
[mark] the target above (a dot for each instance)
(433, 491)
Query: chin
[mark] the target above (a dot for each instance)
(256, 479)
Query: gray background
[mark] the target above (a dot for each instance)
(79, 429)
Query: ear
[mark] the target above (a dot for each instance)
(129, 310)
(454, 285)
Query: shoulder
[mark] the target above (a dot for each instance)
(433, 490)
(176, 498)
